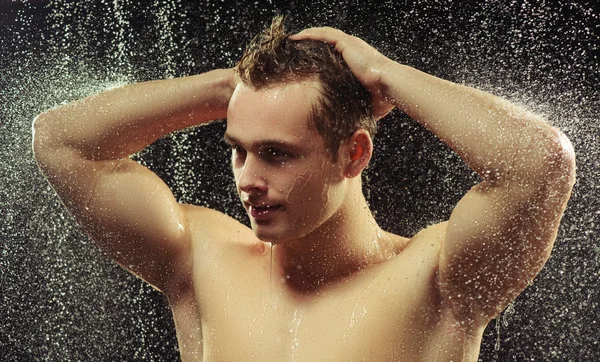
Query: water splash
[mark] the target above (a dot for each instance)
(59, 295)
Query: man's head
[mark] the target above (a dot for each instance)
(343, 104)
(300, 126)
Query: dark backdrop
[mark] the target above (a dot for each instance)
(61, 299)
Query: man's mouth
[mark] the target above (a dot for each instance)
(263, 211)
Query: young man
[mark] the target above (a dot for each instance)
(315, 278)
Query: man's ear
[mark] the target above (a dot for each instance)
(358, 149)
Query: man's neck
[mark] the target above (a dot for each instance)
(349, 241)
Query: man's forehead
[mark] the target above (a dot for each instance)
(282, 130)
(275, 110)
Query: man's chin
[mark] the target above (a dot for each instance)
(268, 236)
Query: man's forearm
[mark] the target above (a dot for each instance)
(497, 139)
(119, 122)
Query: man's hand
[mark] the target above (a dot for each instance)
(365, 62)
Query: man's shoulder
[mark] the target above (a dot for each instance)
(432, 233)
(209, 224)
(425, 246)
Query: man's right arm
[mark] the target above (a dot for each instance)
(83, 147)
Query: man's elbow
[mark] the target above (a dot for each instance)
(41, 131)
(555, 185)
(562, 165)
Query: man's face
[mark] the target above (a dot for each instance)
(284, 175)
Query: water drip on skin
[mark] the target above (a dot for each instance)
(359, 313)
(271, 268)
(250, 330)
(227, 299)
(271, 287)
(294, 332)
(300, 182)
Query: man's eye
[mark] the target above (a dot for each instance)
(237, 149)
(274, 153)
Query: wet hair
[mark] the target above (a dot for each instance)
(343, 106)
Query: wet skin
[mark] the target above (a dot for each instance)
(242, 306)
(314, 278)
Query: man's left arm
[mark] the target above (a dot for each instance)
(501, 232)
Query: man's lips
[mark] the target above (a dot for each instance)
(261, 205)
(262, 211)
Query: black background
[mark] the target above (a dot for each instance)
(61, 299)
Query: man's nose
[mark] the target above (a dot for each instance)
(251, 179)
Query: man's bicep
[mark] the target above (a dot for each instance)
(135, 218)
(498, 238)
(127, 210)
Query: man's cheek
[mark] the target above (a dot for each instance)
(299, 189)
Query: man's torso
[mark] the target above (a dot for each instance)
(240, 309)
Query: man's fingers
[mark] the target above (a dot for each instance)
(311, 33)
(325, 34)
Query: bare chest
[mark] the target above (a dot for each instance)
(387, 312)
(364, 325)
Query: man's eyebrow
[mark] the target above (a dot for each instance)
(263, 143)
